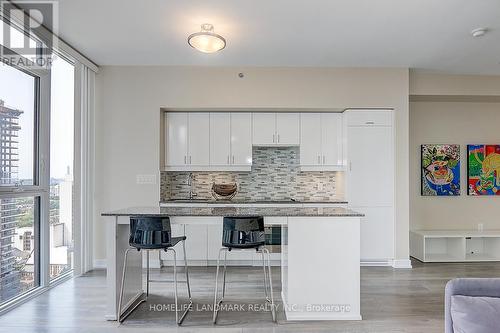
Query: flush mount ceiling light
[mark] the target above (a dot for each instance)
(206, 40)
(479, 32)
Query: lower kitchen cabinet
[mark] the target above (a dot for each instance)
(204, 240)
(377, 233)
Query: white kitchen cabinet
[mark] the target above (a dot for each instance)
(370, 179)
(371, 166)
(287, 129)
(377, 233)
(188, 140)
(176, 124)
(276, 129)
(231, 140)
(321, 142)
(199, 138)
(331, 139)
(264, 128)
(196, 244)
(241, 139)
(220, 138)
(310, 139)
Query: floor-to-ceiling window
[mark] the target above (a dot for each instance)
(61, 165)
(46, 154)
(20, 188)
(36, 168)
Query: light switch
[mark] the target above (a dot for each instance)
(145, 179)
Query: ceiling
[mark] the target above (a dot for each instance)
(420, 34)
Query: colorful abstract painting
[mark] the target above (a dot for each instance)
(440, 170)
(483, 169)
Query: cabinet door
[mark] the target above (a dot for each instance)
(331, 142)
(377, 233)
(214, 236)
(264, 128)
(177, 138)
(199, 139)
(220, 136)
(288, 128)
(241, 138)
(196, 242)
(371, 166)
(310, 139)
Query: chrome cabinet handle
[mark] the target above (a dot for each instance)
(370, 123)
(185, 161)
(324, 159)
(274, 136)
(233, 159)
(278, 138)
(227, 159)
(319, 159)
(189, 159)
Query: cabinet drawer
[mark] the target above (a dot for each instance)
(369, 117)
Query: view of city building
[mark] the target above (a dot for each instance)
(17, 217)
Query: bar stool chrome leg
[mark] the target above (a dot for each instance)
(175, 285)
(147, 273)
(224, 276)
(217, 303)
(273, 309)
(265, 275)
(119, 316)
(190, 304)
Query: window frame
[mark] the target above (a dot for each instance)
(40, 188)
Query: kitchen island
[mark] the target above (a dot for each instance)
(320, 256)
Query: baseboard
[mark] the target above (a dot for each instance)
(99, 264)
(376, 263)
(401, 263)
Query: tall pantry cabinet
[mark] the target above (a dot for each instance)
(370, 179)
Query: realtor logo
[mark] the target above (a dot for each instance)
(27, 23)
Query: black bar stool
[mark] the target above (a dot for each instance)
(154, 233)
(244, 233)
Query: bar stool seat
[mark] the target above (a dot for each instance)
(244, 233)
(154, 233)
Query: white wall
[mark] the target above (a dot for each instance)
(128, 120)
(458, 123)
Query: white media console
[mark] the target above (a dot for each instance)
(455, 245)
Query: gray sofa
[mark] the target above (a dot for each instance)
(477, 313)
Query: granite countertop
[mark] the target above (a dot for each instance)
(240, 201)
(233, 211)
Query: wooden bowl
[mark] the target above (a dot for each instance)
(224, 191)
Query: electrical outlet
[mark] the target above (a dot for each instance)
(145, 179)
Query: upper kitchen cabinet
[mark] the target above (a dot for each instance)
(220, 138)
(321, 142)
(188, 141)
(276, 129)
(241, 140)
(231, 141)
(176, 145)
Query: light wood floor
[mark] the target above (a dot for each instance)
(392, 301)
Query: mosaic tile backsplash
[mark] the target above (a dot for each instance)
(275, 175)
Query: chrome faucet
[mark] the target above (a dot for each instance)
(190, 183)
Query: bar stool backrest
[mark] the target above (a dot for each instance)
(243, 232)
(150, 232)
